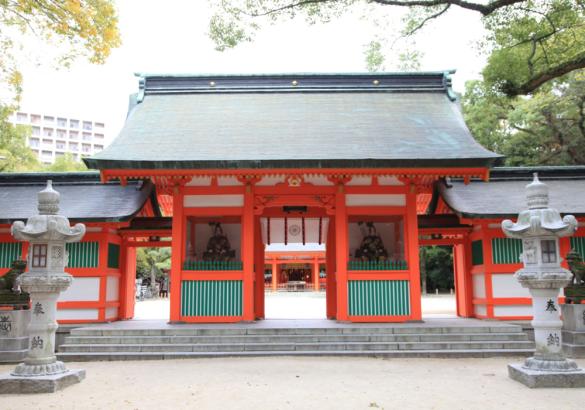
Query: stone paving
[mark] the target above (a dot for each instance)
(299, 383)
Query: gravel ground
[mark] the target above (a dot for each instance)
(299, 383)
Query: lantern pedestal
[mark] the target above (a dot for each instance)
(47, 234)
(540, 228)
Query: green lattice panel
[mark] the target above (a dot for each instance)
(379, 298)
(506, 250)
(113, 256)
(377, 265)
(9, 251)
(212, 265)
(83, 254)
(578, 244)
(477, 253)
(211, 298)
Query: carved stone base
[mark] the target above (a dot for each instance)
(542, 379)
(35, 370)
(10, 384)
(560, 365)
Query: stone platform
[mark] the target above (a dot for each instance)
(147, 340)
(40, 384)
(536, 379)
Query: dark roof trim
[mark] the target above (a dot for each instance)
(42, 177)
(438, 81)
(544, 172)
(294, 163)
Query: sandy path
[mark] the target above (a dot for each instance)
(299, 383)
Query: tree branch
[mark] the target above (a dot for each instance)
(428, 18)
(536, 81)
(484, 9)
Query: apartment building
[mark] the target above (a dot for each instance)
(54, 136)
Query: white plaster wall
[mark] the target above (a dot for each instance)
(112, 289)
(506, 286)
(317, 180)
(513, 310)
(200, 201)
(389, 180)
(199, 181)
(82, 289)
(112, 313)
(77, 314)
(478, 286)
(360, 180)
(271, 180)
(203, 232)
(480, 310)
(375, 200)
(228, 181)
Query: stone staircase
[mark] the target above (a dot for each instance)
(87, 344)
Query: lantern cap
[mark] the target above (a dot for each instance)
(48, 200)
(536, 194)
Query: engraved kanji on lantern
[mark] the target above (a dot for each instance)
(540, 227)
(47, 233)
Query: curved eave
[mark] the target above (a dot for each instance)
(487, 162)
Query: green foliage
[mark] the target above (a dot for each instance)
(374, 56)
(547, 128)
(529, 42)
(14, 153)
(151, 262)
(438, 265)
(534, 42)
(65, 163)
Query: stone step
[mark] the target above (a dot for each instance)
(472, 353)
(78, 340)
(216, 331)
(344, 346)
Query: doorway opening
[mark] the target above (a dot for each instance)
(295, 262)
(438, 281)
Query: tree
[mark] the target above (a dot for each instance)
(152, 262)
(437, 263)
(546, 129)
(545, 38)
(65, 163)
(14, 153)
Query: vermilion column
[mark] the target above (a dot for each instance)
(316, 274)
(330, 289)
(259, 267)
(413, 256)
(274, 276)
(341, 250)
(127, 281)
(176, 254)
(248, 254)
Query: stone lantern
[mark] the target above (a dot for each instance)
(47, 234)
(540, 228)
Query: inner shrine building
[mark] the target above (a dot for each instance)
(245, 176)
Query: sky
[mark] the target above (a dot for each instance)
(170, 36)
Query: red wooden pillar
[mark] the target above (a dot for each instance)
(259, 266)
(176, 255)
(330, 289)
(413, 256)
(127, 291)
(488, 269)
(341, 250)
(274, 275)
(103, 269)
(316, 274)
(462, 272)
(248, 254)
